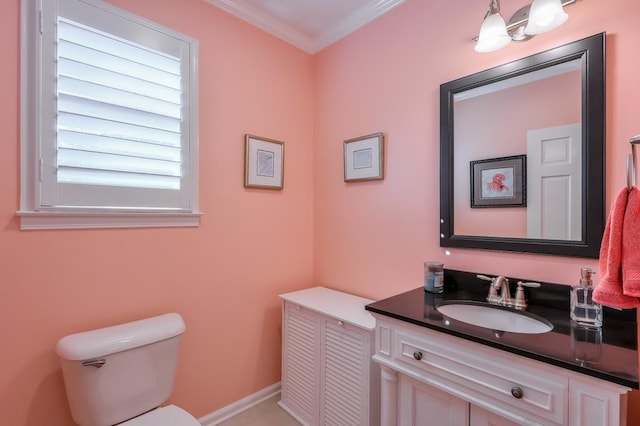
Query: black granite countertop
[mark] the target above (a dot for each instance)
(609, 353)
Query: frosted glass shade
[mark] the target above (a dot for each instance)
(493, 34)
(544, 16)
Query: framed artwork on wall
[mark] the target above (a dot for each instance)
(499, 182)
(264, 163)
(364, 158)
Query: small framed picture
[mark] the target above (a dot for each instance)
(264, 163)
(364, 158)
(499, 182)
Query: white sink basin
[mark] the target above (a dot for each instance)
(495, 317)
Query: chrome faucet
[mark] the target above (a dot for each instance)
(502, 286)
(500, 292)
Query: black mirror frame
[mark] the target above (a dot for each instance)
(591, 52)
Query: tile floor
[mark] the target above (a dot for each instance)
(267, 413)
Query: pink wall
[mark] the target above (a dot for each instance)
(372, 237)
(367, 238)
(495, 125)
(223, 277)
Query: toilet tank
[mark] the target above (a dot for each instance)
(116, 373)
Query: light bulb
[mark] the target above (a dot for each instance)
(544, 16)
(493, 34)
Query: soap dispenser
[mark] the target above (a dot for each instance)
(584, 311)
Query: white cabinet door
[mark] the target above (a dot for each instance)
(345, 369)
(595, 405)
(328, 376)
(423, 405)
(482, 417)
(416, 360)
(300, 366)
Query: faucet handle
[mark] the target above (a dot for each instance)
(484, 277)
(493, 291)
(520, 302)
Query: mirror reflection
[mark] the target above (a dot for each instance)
(538, 116)
(522, 154)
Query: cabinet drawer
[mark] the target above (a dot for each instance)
(518, 390)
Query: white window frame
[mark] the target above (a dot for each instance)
(32, 213)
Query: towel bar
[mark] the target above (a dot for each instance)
(632, 172)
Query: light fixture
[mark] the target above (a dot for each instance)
(493, 33)
(535, 18)
(544, 16)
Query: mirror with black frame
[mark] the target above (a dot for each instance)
(522, 154)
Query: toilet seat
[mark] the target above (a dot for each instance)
(170, 415)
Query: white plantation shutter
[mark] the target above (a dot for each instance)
(118, 112)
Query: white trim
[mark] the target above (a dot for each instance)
(78, 220)
(342, 28)
(293, 414)
(30, 139)
(29, 102)
(354, 21)
(240, 406)
(266, 23)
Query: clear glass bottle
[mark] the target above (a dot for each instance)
(584, 311)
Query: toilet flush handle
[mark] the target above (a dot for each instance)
(97, 363)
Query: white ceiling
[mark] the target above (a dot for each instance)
(310, 25)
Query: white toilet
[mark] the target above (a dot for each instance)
(121, 374)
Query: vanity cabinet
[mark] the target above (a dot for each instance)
(481, 417)
(421, 404)
(429, 377)
(328, 376)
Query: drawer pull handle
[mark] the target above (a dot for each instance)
(516, 392)
(417, 355)
(340, 323)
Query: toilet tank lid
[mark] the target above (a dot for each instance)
(118, 338)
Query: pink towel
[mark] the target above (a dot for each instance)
(609, 290)
(631, 245)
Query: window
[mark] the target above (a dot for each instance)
(109, 119)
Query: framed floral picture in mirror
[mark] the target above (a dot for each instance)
(499, 182)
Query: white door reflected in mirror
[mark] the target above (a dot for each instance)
(554, 179)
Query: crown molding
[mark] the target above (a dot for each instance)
(265, 22)
(342, 28)
(354, 21)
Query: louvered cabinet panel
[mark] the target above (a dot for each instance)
(328, 376)
(300, 366)
(345, 369)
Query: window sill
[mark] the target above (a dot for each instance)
(32, 220)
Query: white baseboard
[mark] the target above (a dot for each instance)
(292, 414)
(235, 408)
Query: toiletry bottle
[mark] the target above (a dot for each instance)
(434, 277)
(584, 311)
